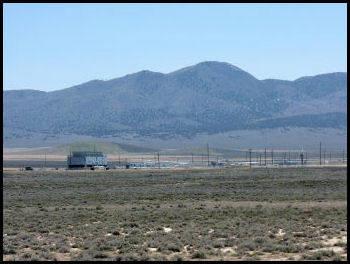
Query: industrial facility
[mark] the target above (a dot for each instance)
(83, 159)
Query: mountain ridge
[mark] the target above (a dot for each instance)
(176, 71)
(209, 97)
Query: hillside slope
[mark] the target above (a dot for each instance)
(210, 97)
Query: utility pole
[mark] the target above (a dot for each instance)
(250, 158)
(320, 153)
(302, 158)
(208, 153)
(158, 161)
(260, 159)
(324, 157)
(70, 155)
(265, 157)
(272, 156)
(45, 161)
(305, 157)
(192, 158)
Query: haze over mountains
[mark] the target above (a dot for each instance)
(209, 98)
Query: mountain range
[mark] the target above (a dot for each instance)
(207, 98)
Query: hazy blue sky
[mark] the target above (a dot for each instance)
(55, 46)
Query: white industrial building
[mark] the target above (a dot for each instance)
(82, 159)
